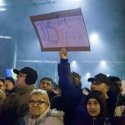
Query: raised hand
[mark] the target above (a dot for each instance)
(63, 53)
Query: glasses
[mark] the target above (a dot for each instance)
(38, 102)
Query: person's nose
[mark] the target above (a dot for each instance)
(44, 85)
(35, 104)
(92, 106)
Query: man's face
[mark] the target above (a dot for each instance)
(46, 85)
(2, 86)
(37, 105)
(100, 87)
(9, 85)
(119, 87)
(20, 82)
(93, 107)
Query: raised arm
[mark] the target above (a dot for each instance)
(69, 91)
(64, 71)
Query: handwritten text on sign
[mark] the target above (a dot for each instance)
(64, 31)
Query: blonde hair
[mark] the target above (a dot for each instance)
(41, 92)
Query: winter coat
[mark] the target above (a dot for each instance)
(70, 99)
(16, 105)
(49, 117)
(73, 99)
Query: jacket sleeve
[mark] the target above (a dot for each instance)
(64, 74)
(69, 91)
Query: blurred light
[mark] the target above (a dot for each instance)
(2, 2)
(74, 66)
(103, 63)
(73, 63)
(10, 73)
(3, 9)
(94, 37)
(88, 74)
(6, 37)
(37, 61)
(85, 79)
(75, 3)
(107, 75)
(74, 0)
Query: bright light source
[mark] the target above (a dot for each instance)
(73, 63)
(75, 3)
(2, 2)
(94, 37)
(74, 66)
(103, 63)
(74, 0)
(107, 75)
(3, 9)
(88, 74)
(102, 67)
(6, 37)
(38, 61)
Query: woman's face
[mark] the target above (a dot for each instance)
(93, 107)
(37, 105)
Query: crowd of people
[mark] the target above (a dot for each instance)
(65, 103)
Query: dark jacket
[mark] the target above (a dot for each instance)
(111, 103)
(72, 100)
(71, 95)
(16, 105)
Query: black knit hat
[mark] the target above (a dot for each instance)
(31, 76)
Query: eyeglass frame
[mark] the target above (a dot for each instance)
(38, 102)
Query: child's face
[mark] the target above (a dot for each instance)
(93, 107)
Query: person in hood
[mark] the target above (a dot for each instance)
(95, 107)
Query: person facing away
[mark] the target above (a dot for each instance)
(46, 84)
(39, 111)
(16, 104)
